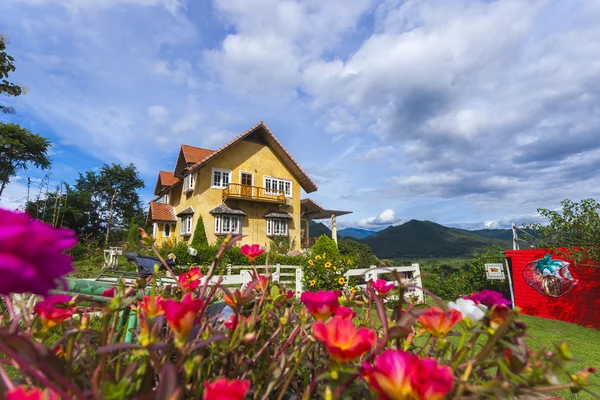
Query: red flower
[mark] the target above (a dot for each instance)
(439, 322)
(181, 315)
(32, 255)
(151, 310)
(252, 252)
(224, 389)
(499, 315)
(109, 292)
(23, 393)
(233, 321)
(237, 299)
(260, 283)
(382, 287)
(50, 315)
(190, 280)
(342, 340)
(488, 298)
(397, 374)
(321, 304)
(345, 312)
(289, 294)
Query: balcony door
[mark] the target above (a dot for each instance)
(246, 179)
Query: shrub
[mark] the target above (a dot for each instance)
(133, 239)
(325, 272)
(199, 238)
(325, 245)
(360, 253)
(282, 245)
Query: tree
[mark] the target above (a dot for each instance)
(361, 252)
(199, 240)
(114, 198)
(7, 66)
(19, 148)
(576, 227)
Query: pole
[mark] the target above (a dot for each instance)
(515, 237)
(510, 285)
(334, 229)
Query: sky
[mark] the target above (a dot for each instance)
(469, 113)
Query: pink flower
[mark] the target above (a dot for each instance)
(151, 310)
(488, 298)
(49, 314)
(31, 254)
(233, 321)
(321, 304)
(289, 294)
(109, 292)
(190, 280)
(345, 312)
(397, 374)
(252, 252)
(439, 322)
(382, 287)
(260, 283)
(224, 389)
(181, 316)
(24, 393)
(342, 340)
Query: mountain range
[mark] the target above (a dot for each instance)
(422, 239)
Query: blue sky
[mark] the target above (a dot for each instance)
(468, 113)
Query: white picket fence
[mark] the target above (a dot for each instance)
(291, 276)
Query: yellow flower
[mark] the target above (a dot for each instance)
(317, 257)
(324, 254)
(313, 282)
(353, 290)
(311, 262)
(341, 281)
(327, 264)
(334, 268)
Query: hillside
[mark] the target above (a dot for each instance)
(317, 229)
(428, 239)
(355, 233)
(499, 234)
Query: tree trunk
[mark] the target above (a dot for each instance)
(110, 217)
(2, 188)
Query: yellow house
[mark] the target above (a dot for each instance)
(250, 186)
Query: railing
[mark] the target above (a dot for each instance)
(247, 192)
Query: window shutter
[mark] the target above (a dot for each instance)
(217, 227)
(269, 227)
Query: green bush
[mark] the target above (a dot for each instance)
(133, 239)
(325, 246)
(360, 253)
(325, 272)
(199, 238)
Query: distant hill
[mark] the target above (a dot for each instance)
(316, 229)
(355, 233)
(428, 239)
(499, 234)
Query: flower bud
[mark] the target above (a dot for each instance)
(250, 337)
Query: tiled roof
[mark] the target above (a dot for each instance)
(195, 154)
(187, 211)
(167, 178)
(161, 212)
(307, 184)
(224, 209)
(278, 214)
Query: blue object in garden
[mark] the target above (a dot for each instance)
(145, 264)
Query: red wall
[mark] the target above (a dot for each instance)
(580, 305)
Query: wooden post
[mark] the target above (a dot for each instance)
(299, 276)
(418, 282)
(334, 229)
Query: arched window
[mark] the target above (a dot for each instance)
(167, 230)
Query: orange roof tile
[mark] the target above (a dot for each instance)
(167, 178)
(161, 212)
(195, 154)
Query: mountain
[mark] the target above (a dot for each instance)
(317, 229)
(500, 234)
(428, 239)
(355, 233)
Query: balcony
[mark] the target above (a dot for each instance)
(253, 193)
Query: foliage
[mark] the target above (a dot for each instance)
(133, 238)
(325, 245)
(360, 253)
(325, 271)
(271, 347)
(19, 148)
(7, 66)
(576, 227)
(199, 238)
(428, 239)
(282, 245)
(450, 283)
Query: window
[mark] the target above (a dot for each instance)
(188, 183)
(167, 231)
(186, 225)
(277, 227)
(220, 178)
(225, 224)
(274, 184)
(165, 198)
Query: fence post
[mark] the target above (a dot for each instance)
(418, 282)
(299, 276)
(277, 273)
(228, 269)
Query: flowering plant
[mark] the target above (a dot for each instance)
(167, 342)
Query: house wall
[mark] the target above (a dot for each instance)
(246, 156)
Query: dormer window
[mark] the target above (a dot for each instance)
(165, 198)
(188, 183)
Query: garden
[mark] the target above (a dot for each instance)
(330, 343)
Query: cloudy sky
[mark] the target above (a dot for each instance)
(461, 112)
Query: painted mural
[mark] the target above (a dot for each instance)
(549, 277)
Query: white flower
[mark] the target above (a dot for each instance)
(468, 309)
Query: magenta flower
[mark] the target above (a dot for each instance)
(31, 254)
(321, 304)
(489, 298)
(382, 287)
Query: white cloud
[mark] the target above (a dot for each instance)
(383, 219)
(377, 153)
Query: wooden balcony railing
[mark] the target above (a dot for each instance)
(255, 193)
